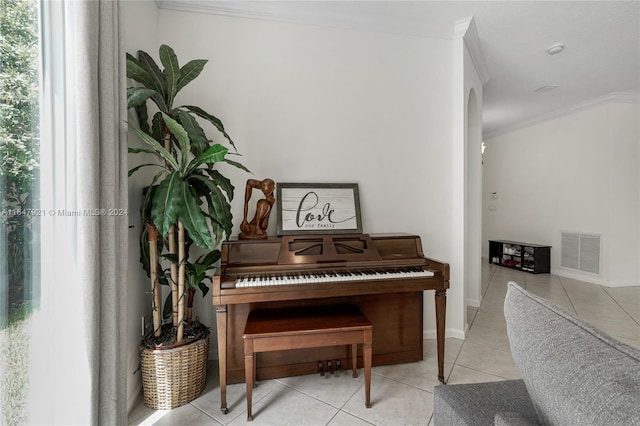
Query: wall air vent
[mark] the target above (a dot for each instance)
(580, 252)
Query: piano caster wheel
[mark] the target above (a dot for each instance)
(224, 410)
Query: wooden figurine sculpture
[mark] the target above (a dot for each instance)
(257, 228)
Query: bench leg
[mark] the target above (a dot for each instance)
(249, 373)
(248, 366)
(367, 374)
(367, 354)
(354, 359)
(255, 370)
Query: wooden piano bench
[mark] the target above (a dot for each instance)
(307, 327)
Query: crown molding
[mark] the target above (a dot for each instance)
(466, 28)
(310, 13)
(615, 97)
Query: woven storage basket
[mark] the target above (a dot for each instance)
(174, 376)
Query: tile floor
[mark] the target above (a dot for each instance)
(403, 394)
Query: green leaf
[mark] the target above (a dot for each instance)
(136, 72)
(156, 126)
(209, 259)
(216, 229)
(138, 95)
(167, 310)
(199, 142)
(162, 279)
(171, 72)
(212, 155)
(133, 150)
(143, 117)
(135, 169)
(222, 182)
(132, 58)
(221, 210)
(160, 103)
(203, 287)
(198, 274)
(158, 149)
(166, 206)
(173, 258)
(146, 74)
(236, 164)
(213, 120)
(193, 220)
(149, 192)
(182, 137)
(189, 72)
(144, 250)
(152, 68)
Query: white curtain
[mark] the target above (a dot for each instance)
(78, 352)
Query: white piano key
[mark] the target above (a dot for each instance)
(328, 277)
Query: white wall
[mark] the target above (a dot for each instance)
(624, 250)
(140, 32)
(577, 173)
(316, 104)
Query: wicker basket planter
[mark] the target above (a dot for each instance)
(174, 376)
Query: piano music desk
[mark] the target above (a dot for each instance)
(299, 328)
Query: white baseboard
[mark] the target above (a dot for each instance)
(579, 277)
(474, 303)
(449, 332)
(617, 284)
(594, 280)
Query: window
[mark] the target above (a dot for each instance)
(19, 199)
(62, 150)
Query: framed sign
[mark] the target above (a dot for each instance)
(318, 208)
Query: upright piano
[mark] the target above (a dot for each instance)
(383, 274)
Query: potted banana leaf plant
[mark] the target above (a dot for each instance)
(186, 203)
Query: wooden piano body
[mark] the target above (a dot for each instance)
(393, 303)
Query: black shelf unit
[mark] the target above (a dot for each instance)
(534, 258)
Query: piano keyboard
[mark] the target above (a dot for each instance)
(328, 276)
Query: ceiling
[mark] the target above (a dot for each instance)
(601, 60)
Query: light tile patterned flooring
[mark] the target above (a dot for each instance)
(403, 394)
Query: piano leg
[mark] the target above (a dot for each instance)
(441, 314)
(221, 319)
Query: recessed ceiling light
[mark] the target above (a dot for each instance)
(546, 88)
(556, 48)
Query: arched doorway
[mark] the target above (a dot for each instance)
(473, 201)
